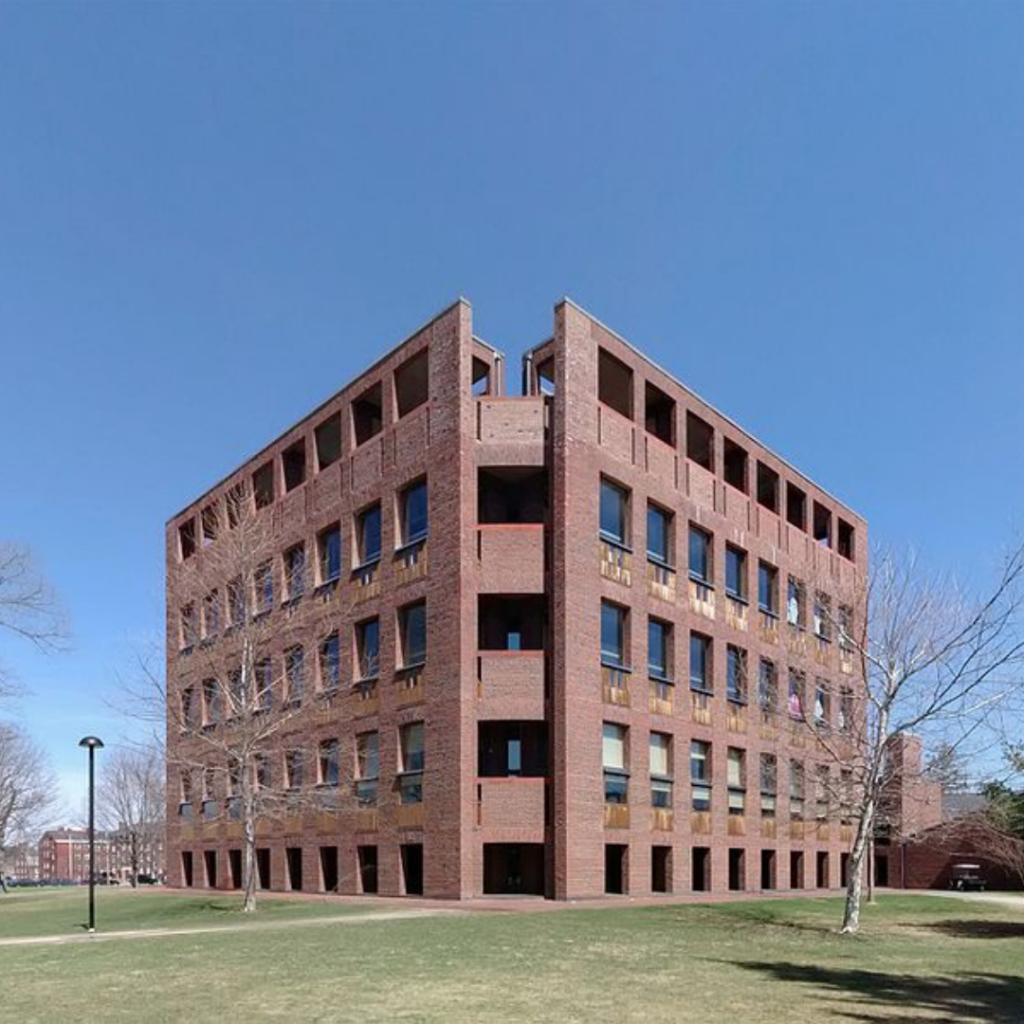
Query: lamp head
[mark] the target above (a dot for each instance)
(94, 742)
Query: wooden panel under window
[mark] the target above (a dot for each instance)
(768, 829)
(768, 627)
(737, 825)
(700, 823)
(411, 564)
(616, 815)
(661, 582)
(410, 688)
(702, 599)
(365, 819)
(616, 564)
(736, 717)
(662, 819)
(700, 708)
(410, 816)
(797, 829)
(614, 686)
(736, 614)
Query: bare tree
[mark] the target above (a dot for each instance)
(230, 710)
(28, 606)
(27, 786)
(131, 804)
(923, 658)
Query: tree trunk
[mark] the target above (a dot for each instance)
(249, 866)
(858, 857)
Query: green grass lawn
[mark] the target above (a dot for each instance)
(770, 962)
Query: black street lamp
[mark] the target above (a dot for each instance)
(93, 743)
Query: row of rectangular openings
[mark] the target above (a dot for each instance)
(615, 390)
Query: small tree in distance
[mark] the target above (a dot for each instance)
(27, 785)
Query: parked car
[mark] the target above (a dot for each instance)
(148, 880)
(967, 878)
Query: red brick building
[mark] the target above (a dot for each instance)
(599, 617)
(64, 855)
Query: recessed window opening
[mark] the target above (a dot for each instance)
(700, 442)
(512, 494)
(412, 381)
(845, 539)
(263, 485)
(796, 506)
(614, 383)
(368, 414)
(767, 487)
(210, 524)
(293, 460)
(545, 372)
(822, 525)
(659, 414)
(328, 442)
(480, 378)
(734, 465)
(187, 539)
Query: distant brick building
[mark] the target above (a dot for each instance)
(64, 855)
(587, 650)
(22, 861)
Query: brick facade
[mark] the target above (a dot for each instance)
(513, 694)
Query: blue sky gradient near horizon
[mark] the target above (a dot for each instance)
(213, 216)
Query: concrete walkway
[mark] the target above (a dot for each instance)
(250, 925)
(1014, 900)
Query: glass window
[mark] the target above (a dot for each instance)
(368, 535)
(414, 513)
(700, 662)
(293, 769)
(700, 555)
(367, 768)
(294, 672)
(794, 603)
(736, 666)
(736, 775)
(329, 543)
(295, 571)
(768, 588)
(735, 573)
(614, 759)
(614, 506)
(368, 648)
(328, 763)
(330, 662)
(700, 754)
(411, 763)
(659, 539)
(661, 769)
(413, 627)
(658, 634)
(769, 774)
(613, 633)
(796, 694)
(767, 686)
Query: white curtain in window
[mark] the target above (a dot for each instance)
(614, 746)
(659, 753)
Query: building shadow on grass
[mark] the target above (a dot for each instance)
(873, 996)
(974, 928)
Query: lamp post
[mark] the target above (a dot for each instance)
(93, 743)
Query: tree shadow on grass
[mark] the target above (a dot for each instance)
(974, 928)
(873, 996)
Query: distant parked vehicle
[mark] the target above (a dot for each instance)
(967, 878)
(148, 880)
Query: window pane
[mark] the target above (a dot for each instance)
(369, 648)
(414, 634)
(699, 761)
(700, 562)
(612, 630)
(330, 554)
(613, 512)
(735, 572)
(657, 534)
(735, 776)
(369, 535)
(699, 662)
(412, 747)
(766, 587)
(614, 746)
(415, 513)
(657, 648)
(659, 753)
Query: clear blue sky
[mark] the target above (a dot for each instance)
(211, 216)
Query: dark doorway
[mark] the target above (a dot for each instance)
(329, 868)
(767, 869)
(661, 869)
(737, 871)
(796, 869)
(235, 868)
(844, 869)
(186, 868)
(412, 869)
(822, 870)
(293, 862)
(700, 874)
(615, 869)
(367, 856)
(514, 869)
(263, 868)
(210, 864)
(881, 869)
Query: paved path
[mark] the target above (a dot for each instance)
(252, 925)
(1001, 899)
